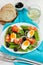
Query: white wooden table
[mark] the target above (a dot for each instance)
(28, 3)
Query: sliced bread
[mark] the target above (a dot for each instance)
(8, 13)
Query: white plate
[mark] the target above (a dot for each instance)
(2, 38)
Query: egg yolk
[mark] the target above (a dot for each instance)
(13, 35)
(26, 43)
(32, 32)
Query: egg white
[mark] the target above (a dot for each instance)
(24, 47)
(12, 39)
(29, 35)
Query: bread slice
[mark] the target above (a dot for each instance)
(7, 6)
(0, 14)
(8, 13)
(2, 22)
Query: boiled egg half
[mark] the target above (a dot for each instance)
(12, 36)
(25, 44)
(30, 33)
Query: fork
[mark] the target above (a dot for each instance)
(8, 58)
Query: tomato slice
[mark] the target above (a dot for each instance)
(32, 28)
(20, 40)
(32, 41)
(7, 38)
(16, 41)
(15, 28)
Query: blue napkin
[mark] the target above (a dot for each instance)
(37, 54)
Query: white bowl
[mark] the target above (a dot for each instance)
(2, 38)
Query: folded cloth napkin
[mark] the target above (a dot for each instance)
(36, 55)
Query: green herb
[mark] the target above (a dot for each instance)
(21, 32)
(18, 35)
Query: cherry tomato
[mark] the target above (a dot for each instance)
(14, 28)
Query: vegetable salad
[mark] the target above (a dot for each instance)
(21, 38)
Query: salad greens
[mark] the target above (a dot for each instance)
(36, 36)
(21, 32)
(9, 31)
(18, 35)
(13, 46)
(32, 46)
(21, 50)
(24, 27)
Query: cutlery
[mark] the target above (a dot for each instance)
(15, 60)
(8, 58)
